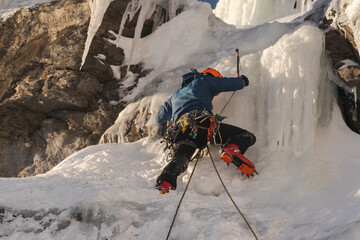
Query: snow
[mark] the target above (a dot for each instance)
(353, 13)
(9, 4)
(348, 13)
(307, 158)
(9, 7)
(348, 63)
(210, 37)
(146, 9)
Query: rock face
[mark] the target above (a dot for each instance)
(48, 108)
(135, 127)
(52, 104)
(344, 55)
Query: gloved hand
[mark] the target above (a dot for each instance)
(246, 80)
(164, 187)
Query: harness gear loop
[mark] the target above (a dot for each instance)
(191, 120)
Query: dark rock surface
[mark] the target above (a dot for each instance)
(48, 108)
(341, 48)
(52, 104)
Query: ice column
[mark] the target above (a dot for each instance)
(291, 70)
(253, 12)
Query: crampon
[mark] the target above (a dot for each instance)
(231, 154)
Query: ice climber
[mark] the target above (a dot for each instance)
(194, 125)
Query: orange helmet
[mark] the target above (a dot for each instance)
(211, 72)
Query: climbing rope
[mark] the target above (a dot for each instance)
(186, 188)
(227, 103)
(182, 197)
(232, 200)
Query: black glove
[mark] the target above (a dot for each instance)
(246, 80)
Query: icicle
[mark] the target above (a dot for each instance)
(130, 12)
(116, 71)
(255, 7)
(145, 5)
(173, 5)
(355, 94)
(354, 113)
(147, 9)
(98, 9)
(122, 24)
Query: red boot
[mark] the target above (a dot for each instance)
(164, 187)
(231, 154)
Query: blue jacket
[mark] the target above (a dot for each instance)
(197, 92)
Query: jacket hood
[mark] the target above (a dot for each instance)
(189, 77)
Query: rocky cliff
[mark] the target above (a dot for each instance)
(53, 103)
(342, 50)
(49, 109)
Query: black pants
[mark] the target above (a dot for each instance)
(186, 146)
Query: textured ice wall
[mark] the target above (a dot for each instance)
(289, 92)
(253, 12)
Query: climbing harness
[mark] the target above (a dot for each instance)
(191, 121)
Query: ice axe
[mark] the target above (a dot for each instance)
(237, 63)
(237, 75)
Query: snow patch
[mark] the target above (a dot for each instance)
(346, 12)
(9, 7)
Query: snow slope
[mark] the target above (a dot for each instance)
(308, 160)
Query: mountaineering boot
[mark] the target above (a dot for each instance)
(165, 182)
(231, 154)
(164, 187)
